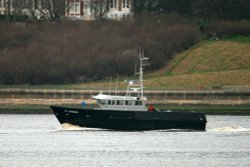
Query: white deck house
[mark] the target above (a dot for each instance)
(83, 9)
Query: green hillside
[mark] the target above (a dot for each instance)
(209, 64)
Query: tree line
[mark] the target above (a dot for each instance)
(203, 9)
(69, 51)
(49, 9)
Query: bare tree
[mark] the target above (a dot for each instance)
(100, 8)
(47, 8)
(8, 9)
(59, 8)
(50, 9)
(22, 7)
(53, 9)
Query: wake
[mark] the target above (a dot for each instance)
(67, 126)
(71, 127)
(230, 129)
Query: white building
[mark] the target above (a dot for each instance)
(24, 7)
(88, 10)
(120, 9)
(74, 9)
(3, 7)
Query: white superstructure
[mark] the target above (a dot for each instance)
(128, 102)
(124, 103)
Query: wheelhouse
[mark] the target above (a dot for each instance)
(124, 103)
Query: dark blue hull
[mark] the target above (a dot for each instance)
(130, 120)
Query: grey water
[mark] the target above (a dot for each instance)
(39, 140)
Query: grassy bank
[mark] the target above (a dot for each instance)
(25, 109)
(209, 64)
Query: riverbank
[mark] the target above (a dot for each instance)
(37, 101)
(208, 109)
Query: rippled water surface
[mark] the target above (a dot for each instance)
(39, 140)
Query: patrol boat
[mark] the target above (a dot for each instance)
(129, 112)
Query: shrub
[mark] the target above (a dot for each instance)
(226, 28)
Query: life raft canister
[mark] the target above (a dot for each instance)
(151, 108)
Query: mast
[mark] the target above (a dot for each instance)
(142, 58)
(138, 87)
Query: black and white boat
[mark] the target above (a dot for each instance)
(129, 112)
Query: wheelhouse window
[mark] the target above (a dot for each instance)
(101, 102)
(128, 103)
(138, 103)
(119, 102)
(111, 102)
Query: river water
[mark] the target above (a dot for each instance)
(39, 140)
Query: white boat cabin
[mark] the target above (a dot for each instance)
(121, 103)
